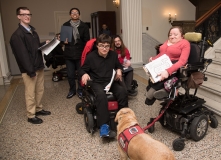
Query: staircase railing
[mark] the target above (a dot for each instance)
(210, 24)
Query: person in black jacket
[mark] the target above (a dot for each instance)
(25, 43)
(99, 66)
(74, 49)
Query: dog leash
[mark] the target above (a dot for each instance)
(159, 116)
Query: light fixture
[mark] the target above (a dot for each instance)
(172, 19)
(116, 3)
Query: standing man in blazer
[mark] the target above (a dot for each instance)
(73, 50)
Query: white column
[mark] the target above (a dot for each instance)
(5, 75)
(131, 16)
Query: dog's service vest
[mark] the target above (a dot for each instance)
(125, 136)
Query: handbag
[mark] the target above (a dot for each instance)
(169, 83)
(195, 80)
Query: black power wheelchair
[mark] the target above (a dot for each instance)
(87, 106)
(185, 113)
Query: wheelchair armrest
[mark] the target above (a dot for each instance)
(89, 83)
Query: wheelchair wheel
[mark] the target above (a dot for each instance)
(198, 127)
(213, 122)
(89, 120)
(55, 78)
(178, 144)
(134, 84)
(80, 108)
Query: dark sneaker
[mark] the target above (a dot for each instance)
(160, 94)
(70, 95)
(132, 92)
(150, 101)
(106, 132)
(35, 120)
(43, 113)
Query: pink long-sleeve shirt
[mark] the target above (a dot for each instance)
(177, 52)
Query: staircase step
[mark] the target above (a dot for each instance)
(217, 60)
(215, 65)
(210, 90)
(213, 78)
(215, 71)
(218, 53)
(210, 103)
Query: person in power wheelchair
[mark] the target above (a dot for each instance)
(177, 49)
(98, 67)
(124, 58)
(184, 112)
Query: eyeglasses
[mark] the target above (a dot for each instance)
(102, 46)
(74, 13)
(25, 15)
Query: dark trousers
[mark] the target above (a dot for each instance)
(128, 78)
(72, 67)
(101, 102)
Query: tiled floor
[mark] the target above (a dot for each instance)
(62, 135)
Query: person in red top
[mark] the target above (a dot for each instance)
(178, 50)
(124, 59)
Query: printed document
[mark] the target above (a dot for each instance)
(157, 66)
(107, 88)
(47, 48)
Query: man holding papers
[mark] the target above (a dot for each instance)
(79, 33)
(98, 67)
(25, 43)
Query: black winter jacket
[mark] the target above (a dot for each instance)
(74, 51)
(25, 48)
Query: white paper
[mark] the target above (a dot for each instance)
(157, 66)
(47, 48)
(107, 88)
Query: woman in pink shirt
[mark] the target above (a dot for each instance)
(178, 50)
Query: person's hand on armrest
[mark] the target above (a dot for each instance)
(85, 78)
(127, 64)
(118, 75)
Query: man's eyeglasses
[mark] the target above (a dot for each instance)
(25, 15)
(74, 13)
(102, 46)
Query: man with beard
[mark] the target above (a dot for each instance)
(124, 59)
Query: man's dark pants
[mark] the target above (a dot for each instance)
(72, 67)
(101, 102)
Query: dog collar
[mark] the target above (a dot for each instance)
(125, 136)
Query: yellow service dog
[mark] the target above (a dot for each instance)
(141, 146)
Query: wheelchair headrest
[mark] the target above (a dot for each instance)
(193, 36)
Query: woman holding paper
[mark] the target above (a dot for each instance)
(177, 49)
